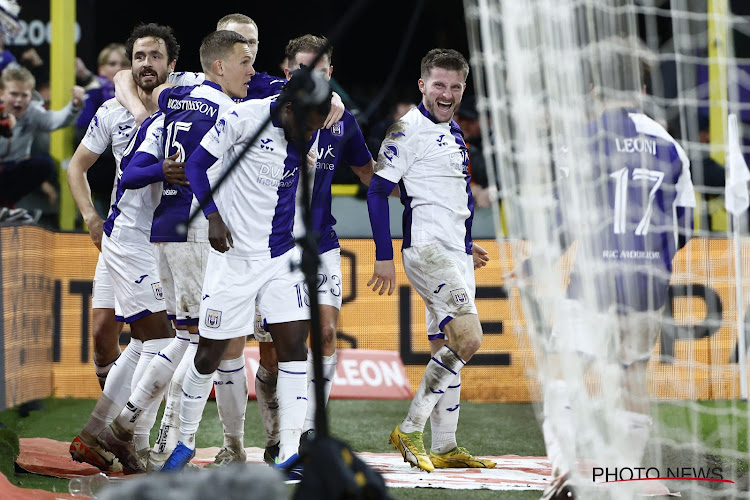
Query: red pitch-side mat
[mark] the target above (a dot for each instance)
(51, 458)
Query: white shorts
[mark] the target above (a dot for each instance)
(182, 266)
(233, 284)
(330, 289)
(605, 336)
(102, 292)
(444, 279)
(135, 277)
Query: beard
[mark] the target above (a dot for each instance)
(152, 84)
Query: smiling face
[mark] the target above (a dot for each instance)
(442, 92)
(151, 65)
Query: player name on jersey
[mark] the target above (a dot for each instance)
(190, 105)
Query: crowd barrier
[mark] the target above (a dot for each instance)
(46, 344)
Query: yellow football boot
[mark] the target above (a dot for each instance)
(412, 449)
(459, 458)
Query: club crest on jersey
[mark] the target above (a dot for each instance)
(213, 318)
(460, 297)
(390, 151)
(158, 293)
(338, 129)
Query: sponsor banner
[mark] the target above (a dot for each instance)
(47, 346)
(360, 374)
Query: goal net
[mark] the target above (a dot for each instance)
(605, 133)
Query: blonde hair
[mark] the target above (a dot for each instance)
(106, 51)
(17, 74)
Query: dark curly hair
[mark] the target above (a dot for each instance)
(157, 31)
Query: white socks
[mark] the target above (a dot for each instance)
(268, 403)
(154, 382)
(169, 430)
(196, 388)
(291, 391)
(444, 418)
(116, 390)
(329, 371)
(438, 375)
(230, 388)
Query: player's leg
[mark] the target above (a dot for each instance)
(106, 326)
(115, 394)
(439, 277)
(106, 334)
(284, 304)
(139, 293)
(329, 299)
(638, 334)
(230, 388)
(265, 390)
(182, 268)
(230, 284)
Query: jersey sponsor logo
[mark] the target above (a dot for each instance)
(169, 192)
(205, 297)
(191, 105)
(158, 292)
(460, 297)
(140, 280)
(458, 164)
(395, 135)
(337, 129)
(213, 318)
(437, 290)
(266, 144)
(276, 176)
(635, 145)
(390, 151)
(441, 142)
(325, 154)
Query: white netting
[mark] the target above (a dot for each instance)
(586, 165)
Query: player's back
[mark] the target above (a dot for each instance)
(189, 112)
(635, 195)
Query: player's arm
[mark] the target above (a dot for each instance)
(337, 111)
(196, 170)
(384, 272)
(480, 255)
(145, 169)
(50, 120)
(365, 172)
(126, 93)
(82, 160)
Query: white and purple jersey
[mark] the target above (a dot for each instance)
(111, 125)
(430, 163)
(341, 145)
(640, 185)
(260, 86)
(133, 209)
(257, 202)
(189, 112)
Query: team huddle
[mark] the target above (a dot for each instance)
(190, 288)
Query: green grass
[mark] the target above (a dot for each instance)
(486, 429)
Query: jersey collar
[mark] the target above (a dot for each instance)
(212, 84)
(453, 125)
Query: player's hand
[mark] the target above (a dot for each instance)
(480, 255)
(79, 95)
(218, 233)
(312, 159)
(337, 111)
(96, 229)
(384, 276)
(174, 171)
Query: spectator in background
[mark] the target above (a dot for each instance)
(20, 171)
(395, 112)
(467, 118)
(99, 89)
